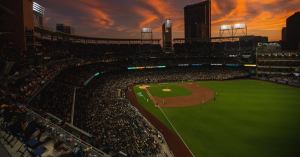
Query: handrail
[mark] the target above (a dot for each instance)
(69, 139)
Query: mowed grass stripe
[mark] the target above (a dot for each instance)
(249, 118)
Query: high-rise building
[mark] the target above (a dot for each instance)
(167, 35)
(283, 34)
(293, 31)
(197, 21)
(64, 29)
(283, 39)
(16, 19)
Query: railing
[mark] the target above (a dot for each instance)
(70, 140)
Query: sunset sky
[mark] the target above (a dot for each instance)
(125, 18)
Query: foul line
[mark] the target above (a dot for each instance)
(164, 114)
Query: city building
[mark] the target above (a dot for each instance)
(197, 21)
(167, 35)
(283, 41)
(64, 29)
(293, 31)
(283, 34)
(16, 19)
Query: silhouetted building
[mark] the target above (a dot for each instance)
(197, 21)
(167, 35)
(293, 31)
(283, 41)
(16, 20)
(283, 34)
(64, 29)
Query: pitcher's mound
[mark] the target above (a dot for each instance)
(166, 90)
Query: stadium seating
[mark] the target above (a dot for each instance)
(27, 133)
(61, 74)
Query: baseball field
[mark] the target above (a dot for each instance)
(237, 118)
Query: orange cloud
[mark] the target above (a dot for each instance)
(264, 2)
(101, 18)
(148, 17)
(215, 9)
(268, 22)
(98, 16)
(161, 6)
(164, 9)
(237, 14)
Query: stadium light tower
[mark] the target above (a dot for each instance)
(146, 35)
(225, 29)
(239, 29)
(38, 14)
(232, 31)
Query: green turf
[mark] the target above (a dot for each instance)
(176, 90)
(248, 119)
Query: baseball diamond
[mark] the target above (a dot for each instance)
(237, 115)
(179, 95)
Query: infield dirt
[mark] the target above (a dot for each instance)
(200, 95)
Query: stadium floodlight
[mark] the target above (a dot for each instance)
(38, 8)
(225, 27)
(146, 30)
(239, 26)
(168, 23)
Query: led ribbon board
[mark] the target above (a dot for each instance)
(147, 67)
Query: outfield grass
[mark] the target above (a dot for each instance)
(176, 90)
(248, 119)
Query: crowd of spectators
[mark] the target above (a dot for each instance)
(281, 79)
(102, 110)
(7, 49)
(30, 134)
(278, 66)
(55, 92)
(25, 83)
